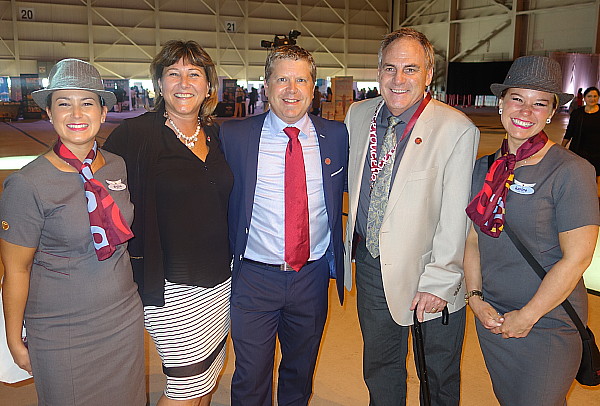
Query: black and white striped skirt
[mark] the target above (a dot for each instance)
(190, 332)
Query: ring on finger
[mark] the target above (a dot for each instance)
(433, 309)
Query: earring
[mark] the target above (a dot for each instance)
(548, 120)
(500, 111)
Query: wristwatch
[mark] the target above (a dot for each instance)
(473, 293)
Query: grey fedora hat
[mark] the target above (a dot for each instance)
(74, 74)
(536, 73)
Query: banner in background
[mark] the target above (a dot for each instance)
(15, 89)
(229, 86)
(4, 95)
(30, 83)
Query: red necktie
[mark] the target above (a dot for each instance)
(297, 240)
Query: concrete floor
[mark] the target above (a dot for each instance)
(338, 376)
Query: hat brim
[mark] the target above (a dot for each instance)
(498, 88)
(41, 96)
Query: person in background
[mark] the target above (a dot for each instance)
(316, 102)
(133, 93)
(65, 225)
(252, 99)
(361, 94)
(547, 196)
(579, 98)
(409, 177)
(577, 101)
(239, 101)
(583, 130)
(264, 99)
(285, 226)
(180, 185)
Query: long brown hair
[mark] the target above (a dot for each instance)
(191, 52)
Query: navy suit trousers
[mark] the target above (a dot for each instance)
(267, 303)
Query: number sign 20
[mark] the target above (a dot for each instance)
(26, 14)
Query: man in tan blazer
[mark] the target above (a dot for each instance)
(407, 221)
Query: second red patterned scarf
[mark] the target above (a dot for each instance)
(487, 209)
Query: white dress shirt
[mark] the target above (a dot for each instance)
(266, 238)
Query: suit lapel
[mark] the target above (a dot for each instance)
(363, 141)
(326, 149)
(413, 153)
(358, 148)
(252, 146)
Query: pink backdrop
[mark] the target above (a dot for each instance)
(579, 70)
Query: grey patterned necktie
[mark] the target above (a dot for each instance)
(381, 189)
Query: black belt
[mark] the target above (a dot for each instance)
(281, 267)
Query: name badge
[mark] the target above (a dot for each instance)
(522, 188)
(115, 185)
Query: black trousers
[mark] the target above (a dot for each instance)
(386, 343)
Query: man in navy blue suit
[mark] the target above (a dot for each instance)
(285, 229)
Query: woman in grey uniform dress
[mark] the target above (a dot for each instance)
(65, 222)
(531, 347)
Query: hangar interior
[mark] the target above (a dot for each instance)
(120, 37)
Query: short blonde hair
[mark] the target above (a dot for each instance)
(293, 52)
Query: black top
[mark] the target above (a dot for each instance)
(191, 204)
(584, 132)
(139, 141)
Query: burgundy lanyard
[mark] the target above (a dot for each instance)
(376, 165)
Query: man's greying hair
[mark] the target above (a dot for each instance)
(411, 34)
(293, 52)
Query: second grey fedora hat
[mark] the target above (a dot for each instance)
(536, 73)
(74, 74)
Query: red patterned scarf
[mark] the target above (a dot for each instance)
(107, 224)
(487, 209)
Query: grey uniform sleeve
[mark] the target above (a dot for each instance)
(576, 196)
(21, 212)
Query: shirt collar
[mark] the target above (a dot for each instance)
(405, 117)
(277, 125)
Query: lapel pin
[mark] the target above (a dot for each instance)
(327, 161)
(418, 140)
(5, 226)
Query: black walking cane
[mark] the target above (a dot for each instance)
(420, 356)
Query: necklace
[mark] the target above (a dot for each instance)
(188, 141)
(524, 161)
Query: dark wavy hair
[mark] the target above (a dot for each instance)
(191, 52)
(589, 89)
